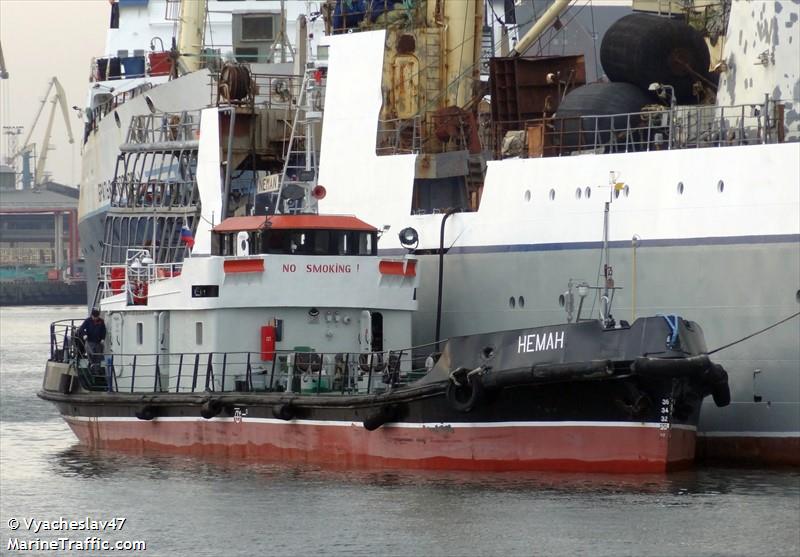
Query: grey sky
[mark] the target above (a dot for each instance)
(41, 39)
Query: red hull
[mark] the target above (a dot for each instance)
(750, 450)
(560, 446)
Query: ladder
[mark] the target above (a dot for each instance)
(301, 164)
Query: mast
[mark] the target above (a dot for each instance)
(191, 34)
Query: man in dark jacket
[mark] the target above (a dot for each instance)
(94, 331)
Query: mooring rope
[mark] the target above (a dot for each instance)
(751, 335)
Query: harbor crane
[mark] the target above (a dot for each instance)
(58, 99)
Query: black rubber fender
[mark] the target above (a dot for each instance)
(147, 412)
(380, 416)
(284, 412)
(720, 390)
(467, 395)
(211, 409)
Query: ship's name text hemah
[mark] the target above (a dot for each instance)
(539, 342)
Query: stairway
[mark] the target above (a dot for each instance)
(301, 164)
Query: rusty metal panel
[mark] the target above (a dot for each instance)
(405, 85)
(530, 88)
(526, 89)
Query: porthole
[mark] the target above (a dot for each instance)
(552, 195)
(626, 191)
(797, 296)
(720, 186)
(512, 302)
(521, 302)
(616, 193)
(527, 196)
(117, 120)
(150, 104)
(680, 188)
(588, 192)
(578, 193)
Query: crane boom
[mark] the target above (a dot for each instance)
(62, 101)
(36, 118)
(58, 99)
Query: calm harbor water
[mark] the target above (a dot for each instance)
(191, 506)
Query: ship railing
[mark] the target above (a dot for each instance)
(130, 191)
(301, 373)
(164, 128)
(658, 129)
(102, 109)
(135, 276)
(271, 91)
(399, 136)
(62, 346)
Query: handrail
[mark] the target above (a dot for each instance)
(659, 129)
(234, 371)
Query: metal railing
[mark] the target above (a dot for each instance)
(164, 128)
(264, 91)
(135, 276)
(101, 110)
(659, 129)
(303, 373)
(400, 136)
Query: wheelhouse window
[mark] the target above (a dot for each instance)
(303, 242)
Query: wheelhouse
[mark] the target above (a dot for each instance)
(294, 235)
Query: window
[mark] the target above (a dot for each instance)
(257, 28)
(366, 244)
(198, 333)
(140, 333)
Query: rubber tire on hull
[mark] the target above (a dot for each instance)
(598, 99)
(210, 409)
(147, 413)
(382, 415)
(284, 412)
(720, 390)
(465, 397)
(644, 49)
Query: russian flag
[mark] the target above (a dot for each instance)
(187, 237)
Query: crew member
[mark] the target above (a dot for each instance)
(94, 331)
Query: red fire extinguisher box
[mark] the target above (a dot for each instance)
(267, 343)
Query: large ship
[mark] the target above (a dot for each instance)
(692, 146)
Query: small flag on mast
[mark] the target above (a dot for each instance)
(187, 237)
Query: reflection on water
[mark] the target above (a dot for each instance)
(81, 461)
(184, 505)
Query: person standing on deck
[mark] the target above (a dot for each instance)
(94, 331)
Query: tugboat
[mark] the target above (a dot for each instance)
(291, 341)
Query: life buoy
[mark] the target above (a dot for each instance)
(464, 391)
(139, 292)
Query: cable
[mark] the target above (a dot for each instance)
(594, 41)
(751, 335)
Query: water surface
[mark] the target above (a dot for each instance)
(208, 507)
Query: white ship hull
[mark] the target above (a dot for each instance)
(725, 251)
